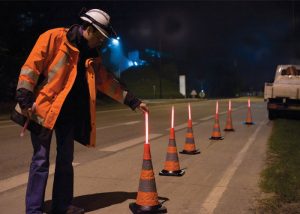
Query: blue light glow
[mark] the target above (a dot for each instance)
(130, 63)
(115, 42)
(116, 61)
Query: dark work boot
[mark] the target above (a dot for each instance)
(71, 210)
(74, 210)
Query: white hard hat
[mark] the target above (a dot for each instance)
(99, 19)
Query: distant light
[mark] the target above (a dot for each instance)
(115, 42)
(130, 63)
(135, 63)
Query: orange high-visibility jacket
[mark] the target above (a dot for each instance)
(56, 59)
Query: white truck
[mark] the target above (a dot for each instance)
(284, 93)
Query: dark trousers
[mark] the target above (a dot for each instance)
(62, 194)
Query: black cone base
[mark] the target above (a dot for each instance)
(135, 208)
(247, 123)
(172, 173)
(194, 152)
(216, 138)
(229, 130)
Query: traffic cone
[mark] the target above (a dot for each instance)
(147, 197)
(249, 116)
(172, 167)
(189, 146)
(228, 126)
(216, 133)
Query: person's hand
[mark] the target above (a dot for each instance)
(143, 107)
(28, 111)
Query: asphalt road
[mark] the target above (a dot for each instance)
(222, 179)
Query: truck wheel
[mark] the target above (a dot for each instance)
(272, 115)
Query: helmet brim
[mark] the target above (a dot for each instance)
(102, 31)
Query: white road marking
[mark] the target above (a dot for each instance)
(131, 123)
(215, 195)
(21, 179)
(207, 118)
(6, 121)
(7, 126)
(126, 144)
(99, 128)
(181, 126)
(221, 113)
(119, 124)
(111, 110)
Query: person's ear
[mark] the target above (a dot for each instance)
(89, 29)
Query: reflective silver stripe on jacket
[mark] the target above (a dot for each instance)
(25, 84)
(61, 62)
(30, 74)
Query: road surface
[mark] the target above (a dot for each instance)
(223, 178)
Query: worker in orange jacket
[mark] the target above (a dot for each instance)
(57, 91)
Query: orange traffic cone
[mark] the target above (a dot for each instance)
(147, 197)
(249, 116)
(172, 167)
(228, 126)
(189, 146)
(216, 133)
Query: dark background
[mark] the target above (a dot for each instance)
(224, 47)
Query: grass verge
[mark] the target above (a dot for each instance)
(280, 180)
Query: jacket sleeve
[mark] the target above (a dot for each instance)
(108, 84)
(35, 63)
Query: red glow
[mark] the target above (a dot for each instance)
(172, 118)
(190, 114)
(146, 128)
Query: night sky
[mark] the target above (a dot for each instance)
(252, 37)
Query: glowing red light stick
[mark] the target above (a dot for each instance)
(147, 128)
(32, 109)
(172, 118)
(25, 126)
(249, 102)
(190, 114)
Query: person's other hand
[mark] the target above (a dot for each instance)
(28, 111)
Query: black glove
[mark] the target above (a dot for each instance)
(25, 98)
(131, 101)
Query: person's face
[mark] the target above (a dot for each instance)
(94, 37)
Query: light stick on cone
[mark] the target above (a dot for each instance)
(228, 126)
(172, 118)
(190, 113)
(146, 128)
(249, 115)
(147, 197)
(172, 167)
(189, 146)
(216, 133)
